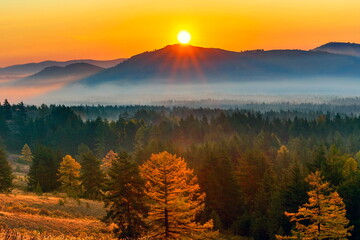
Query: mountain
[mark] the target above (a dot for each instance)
(59, 75)
(351, 49)
(190, 64)
(24, 70)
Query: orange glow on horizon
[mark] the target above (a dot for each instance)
(33, 31)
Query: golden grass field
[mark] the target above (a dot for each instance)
(51, 216)
(27, 216)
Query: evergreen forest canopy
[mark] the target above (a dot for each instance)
(251, 165)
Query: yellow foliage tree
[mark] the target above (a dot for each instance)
(69, 174)
(323, 217)
(26, 154)
(175, 198)
(350, 167)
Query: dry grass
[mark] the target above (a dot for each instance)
(21, 234)
(50, 205)
(28, 216)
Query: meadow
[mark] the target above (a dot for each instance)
(25, 215)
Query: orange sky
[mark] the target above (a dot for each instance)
(40, 30)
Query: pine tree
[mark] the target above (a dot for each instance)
(294, 193)
(218, 180)
(318, 162)
(350, 167)
(125, 198)
(92, 177)
(43, 169)
(350, 191)
(26, 154)
(107, 160)
(175, 197)
(6, 175)
(7, 108)
(323, 217)
(69, 174)
(282, 158)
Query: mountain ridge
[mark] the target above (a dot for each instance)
(19, 71)
(59, 74)
(185, 63)
(343, 48)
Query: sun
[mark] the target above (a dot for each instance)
(184, 37)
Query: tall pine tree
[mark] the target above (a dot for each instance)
(6, 176)
(125, 198)
(43, 169)
(91, 176)
(175, 197)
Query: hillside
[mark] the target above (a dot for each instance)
(24, 70)
(51, 215)
(351, 49)
(189, 64)
(59, 75)
(25, 215)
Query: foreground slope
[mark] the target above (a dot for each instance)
(24, 214)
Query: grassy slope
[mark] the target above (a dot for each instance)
(49, 216)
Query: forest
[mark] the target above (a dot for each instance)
(239, 172)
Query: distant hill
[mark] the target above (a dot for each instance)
(352, 49)
(23, 70)
(189, 64)
(62, 75)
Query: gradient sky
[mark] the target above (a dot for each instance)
(37, 30)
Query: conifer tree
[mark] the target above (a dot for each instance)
(125, 198)
(282, 158)
(294, 193)
(323, 217)
(43, 169)
(175, 197)
(350, 191)
(69, 174)
(92, 177)
(7, 108)
(350, 167)
(6, 175)
(107, 160)
(222, 188)
(26, 154)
